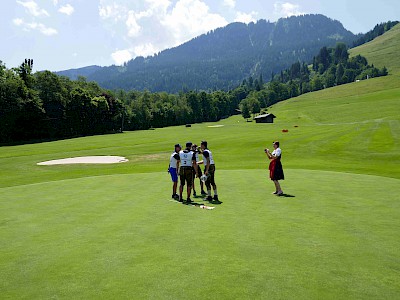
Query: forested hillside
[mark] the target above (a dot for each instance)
(43, 105)
(221, 58)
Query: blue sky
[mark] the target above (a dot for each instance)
(65, 34)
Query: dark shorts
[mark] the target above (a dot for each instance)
(198, 171)
(210, 180)
(174, 174)
(186, 175)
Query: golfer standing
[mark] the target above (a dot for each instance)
(196, 152)
(186, 166)
(173, 169)
(275, 167)
(209, 171)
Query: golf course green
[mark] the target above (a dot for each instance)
(112, 232)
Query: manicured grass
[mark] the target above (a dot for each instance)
(111, 231)
(108, 237)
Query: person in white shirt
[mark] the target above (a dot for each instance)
(173, 169)
(209, 171)
(196, 152)
(275, 167)
(186, 166)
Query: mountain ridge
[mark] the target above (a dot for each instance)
(222, 58)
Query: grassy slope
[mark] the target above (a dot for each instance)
(383, 51)
(109, 235)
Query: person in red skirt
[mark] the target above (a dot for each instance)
(275, 167)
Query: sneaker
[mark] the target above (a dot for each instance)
(194, 194)
(209, 198)
(180, 199)
(216, 197)
(279, 193)
(274, 193)
(175, 196)
(203, 192)
(188, 200)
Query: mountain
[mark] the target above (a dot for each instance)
(74, 73)
(223, 57)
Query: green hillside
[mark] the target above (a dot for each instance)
(113, 232)
(383, 51)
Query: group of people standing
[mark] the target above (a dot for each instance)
(185, 164)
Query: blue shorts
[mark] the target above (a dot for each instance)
(174, 174)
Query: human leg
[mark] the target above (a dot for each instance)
(188, 174)
(212, 181)
(174, 177)
(182, 180)
(193, 183)
(278, 188)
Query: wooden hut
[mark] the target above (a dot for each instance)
(266, 118)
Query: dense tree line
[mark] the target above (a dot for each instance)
(46, 106)
(378, 30)
(331, 67)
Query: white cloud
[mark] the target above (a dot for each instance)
(121, 56)
(150, 26)
(33, 8)
(67, 9)
(230, 3)
(132, 25)
(46, 30)
(190, 18)
(35, 26)
(112, 11)
(246, 18)
(161, 5)
(144, 50)
(55, 2)
(287, 9)
(18, 22)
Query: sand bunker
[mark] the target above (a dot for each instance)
(85, 160)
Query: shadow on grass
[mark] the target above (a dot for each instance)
(204, 202)
(287, 196)
(202, 197)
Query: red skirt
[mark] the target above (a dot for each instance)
(276, 170)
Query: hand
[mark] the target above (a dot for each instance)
(206, 173)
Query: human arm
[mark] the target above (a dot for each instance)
(194, 165)
(178, 162)
(274, 155)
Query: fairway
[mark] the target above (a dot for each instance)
(111, 231)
